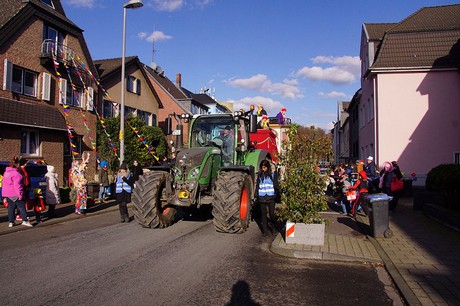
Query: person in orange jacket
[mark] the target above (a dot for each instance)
(361, 187)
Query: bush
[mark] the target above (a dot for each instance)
(148, 144)
(445, 181)
(302, 185)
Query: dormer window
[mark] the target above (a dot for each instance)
(48, 2)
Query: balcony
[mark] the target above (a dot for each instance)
(62, 53)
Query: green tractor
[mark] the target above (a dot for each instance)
(217, 170)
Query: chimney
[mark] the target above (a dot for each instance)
(178, 80)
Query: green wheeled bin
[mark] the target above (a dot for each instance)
(378, 215)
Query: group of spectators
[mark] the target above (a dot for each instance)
(15, 185)
(364, 178)
(16, 190)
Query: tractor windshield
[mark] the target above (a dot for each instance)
(207, 128)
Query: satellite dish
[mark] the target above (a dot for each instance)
(159, 70)
(153, 66)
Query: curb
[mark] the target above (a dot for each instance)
(279, 247)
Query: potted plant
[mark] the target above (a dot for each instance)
(302, 185)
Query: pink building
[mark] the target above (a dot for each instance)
(409, 110)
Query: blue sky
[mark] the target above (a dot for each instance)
(298, 54)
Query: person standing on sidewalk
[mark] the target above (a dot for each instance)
(386, 177)
(123, 189)
(103, 182)
(266, 191)
(52, 196)
(80, 184)
(361, 186)
(136, 170)
(13, 190)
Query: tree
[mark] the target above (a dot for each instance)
(302, 185)
(142, 143)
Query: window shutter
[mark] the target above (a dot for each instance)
(138, 86)
(62, 91)
(90, 99)
(46, 86)
(7, 75)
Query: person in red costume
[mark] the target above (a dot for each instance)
(361, 187)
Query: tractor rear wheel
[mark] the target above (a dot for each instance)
(232, 202)
(149, 195)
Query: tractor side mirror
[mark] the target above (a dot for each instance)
(252, 123)
(168, 126)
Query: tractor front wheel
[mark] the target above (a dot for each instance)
(232, 202)
(148, 200)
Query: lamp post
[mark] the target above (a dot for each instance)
(132, 4)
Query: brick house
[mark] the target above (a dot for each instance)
(48, 89)
(172, 99)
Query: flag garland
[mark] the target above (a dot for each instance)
(69, 128)
(150, 149)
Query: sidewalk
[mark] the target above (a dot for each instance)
(63, 212)
(422, 257)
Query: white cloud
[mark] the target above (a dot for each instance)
(344, 70)
(167, 5)
(82, 3)
(332, 94)
(288, 89)
(175, 5)
(271, 106)
(154, 36)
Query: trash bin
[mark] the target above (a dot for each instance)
(378, 215)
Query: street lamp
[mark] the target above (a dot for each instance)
(132, 4)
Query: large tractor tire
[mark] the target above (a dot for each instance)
(232, 202)
(149, 195)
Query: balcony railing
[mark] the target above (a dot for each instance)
(62, 53)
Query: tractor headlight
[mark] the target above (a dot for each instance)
(194, 173)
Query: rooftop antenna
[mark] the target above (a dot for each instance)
(153, 46)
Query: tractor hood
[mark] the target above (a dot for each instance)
(189, 159)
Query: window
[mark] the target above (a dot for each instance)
(129, 111)
(54, 41)
(69, 95)
(144, 116)
(133, 85)
(76, 140)
(24, 81)
(29, 143)
(457, 158)
(108, 109)
(74, 96)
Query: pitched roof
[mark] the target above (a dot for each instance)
(166, 83)
(15, 14)
(376, 31)
(429, 38)
(112, 67)
(31, 115)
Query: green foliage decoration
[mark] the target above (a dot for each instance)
(135, 149)
(302, 185)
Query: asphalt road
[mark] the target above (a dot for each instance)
(97, 261)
